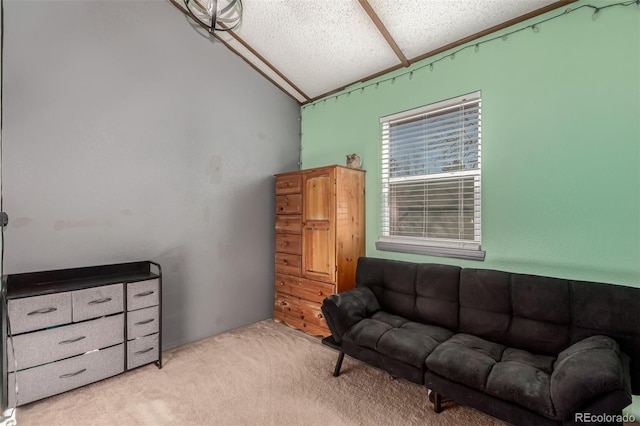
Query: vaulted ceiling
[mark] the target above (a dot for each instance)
(313, 48)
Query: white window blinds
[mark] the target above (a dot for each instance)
(431, 161)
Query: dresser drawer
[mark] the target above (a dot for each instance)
(143, 294)
(142, 351)
(311, 312)
(51, 379)
(97, 301)
(289, 204)
(289, 224)
(289, 243)
(45, 346)
(286, 304)
(285, 282)
(143, 322)
(288, 264)
(34, 313)
(314, 291)
(288, 184)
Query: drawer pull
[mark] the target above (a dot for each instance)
(143, 294)
(43, 311)
(98, 301)
(66, 376)
(285, 262)
(144, 322)
(144, 351)
(77, 339)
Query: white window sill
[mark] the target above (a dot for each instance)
(440, 249)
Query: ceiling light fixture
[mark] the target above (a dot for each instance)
(215, 15)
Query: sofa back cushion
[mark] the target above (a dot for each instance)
(546, 315)
(523, 311)
(424, 292)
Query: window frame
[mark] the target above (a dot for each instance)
(433, 246)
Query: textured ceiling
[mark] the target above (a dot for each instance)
(310, 48)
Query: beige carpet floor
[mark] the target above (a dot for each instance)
(262, 374)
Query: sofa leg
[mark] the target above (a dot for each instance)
(437, 402)
(336, 372)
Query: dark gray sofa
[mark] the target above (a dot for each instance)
(529, 350)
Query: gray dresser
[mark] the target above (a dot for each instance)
(68, 328)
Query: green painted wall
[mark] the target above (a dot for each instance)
(560, 142)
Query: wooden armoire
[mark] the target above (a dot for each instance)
(319, 234)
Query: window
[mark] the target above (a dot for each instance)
(431, 180)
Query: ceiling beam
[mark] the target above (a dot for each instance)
(244, 58)
(521, 18)
(385, 33)
(267, 63)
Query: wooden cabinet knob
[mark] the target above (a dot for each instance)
(320, 316)
(284, 262)
(319, 293)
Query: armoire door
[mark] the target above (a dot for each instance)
(318, 225)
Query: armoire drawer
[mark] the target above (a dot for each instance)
(288, 264)
(286, 303)
(289, 243)
(314, 291)
(45, 346)
(142, 351)
(142, 294)
(51, 379)
(288, 224)
(311, 312)
(97, 301)
(37, 312)
(143, 322)
(288, 184)
(289, 204)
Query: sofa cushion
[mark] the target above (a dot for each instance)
(465, 359)
(507, 373)
(426, 293)
(397, 338)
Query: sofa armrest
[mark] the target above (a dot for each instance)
(343, 310)
(584, 371)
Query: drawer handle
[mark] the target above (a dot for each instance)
(144, 322)
(144, 351)
(43, 311)
(77, 339)
(143, 294)
(319, 293)
(98, 301)
(285, 262)
(66, 376)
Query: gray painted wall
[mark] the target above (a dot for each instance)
(130, 136)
